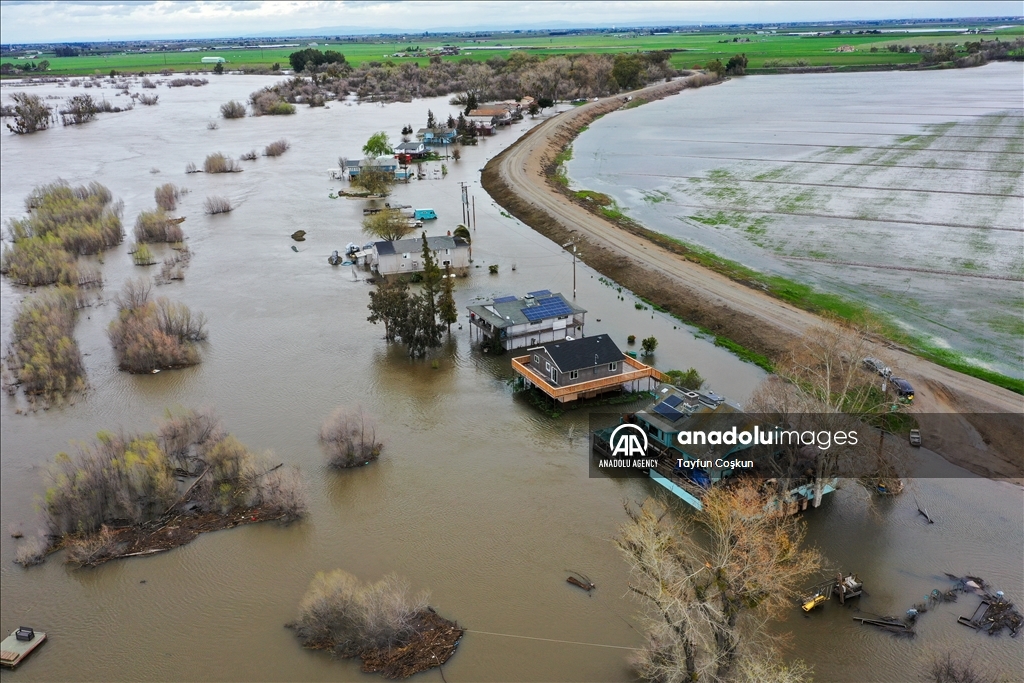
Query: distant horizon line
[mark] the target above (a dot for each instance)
(307, 33)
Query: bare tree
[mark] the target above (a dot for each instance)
(822, 385)
(349, 438)
(341, 613)
(709, 600)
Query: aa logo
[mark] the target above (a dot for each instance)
(628, 441)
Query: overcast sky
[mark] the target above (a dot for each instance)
(97, 20)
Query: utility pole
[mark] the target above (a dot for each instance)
(572, 244)
(474, 213)
(465, 203)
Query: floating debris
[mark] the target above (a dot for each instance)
(583, 581)
(299, 235)
(19, 645)
(334, 259)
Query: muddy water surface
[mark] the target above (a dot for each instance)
(479, 497)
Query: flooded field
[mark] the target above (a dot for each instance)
(478, 497)
(903, 191)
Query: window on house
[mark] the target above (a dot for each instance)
(612, 366)
(405, 256)
(536, 359)
(447, 252)
(446, 263)
(547, 367)
(575, 374)
(415, 264)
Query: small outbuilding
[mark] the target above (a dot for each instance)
(213, 60)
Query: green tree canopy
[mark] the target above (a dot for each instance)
(378, 145)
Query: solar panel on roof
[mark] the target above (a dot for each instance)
(547, 308)
(667, 411)
(539, 292)
(504, 299)
(673, 400)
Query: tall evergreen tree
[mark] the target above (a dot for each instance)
(389, 304)
(446, 309)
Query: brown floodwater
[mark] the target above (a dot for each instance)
(479, 497)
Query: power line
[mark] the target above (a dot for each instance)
(552, 640)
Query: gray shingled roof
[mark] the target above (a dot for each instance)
(414, 245)
(577, 354)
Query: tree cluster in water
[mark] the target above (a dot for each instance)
(413, 318)
(556, 78)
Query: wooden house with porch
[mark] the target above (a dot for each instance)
(572, 369)
(436, 136)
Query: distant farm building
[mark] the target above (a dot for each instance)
(537, 318)
(213, 60)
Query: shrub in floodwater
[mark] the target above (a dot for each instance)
(83, 218)
(30, 114)
(343, 614)
(686, 379)
(215, 205)
(218, 163)
(149, 100)
(251, 155)
(266, 102)
(349, 438)
(146, 83)
(143, 255)
(157, 226)
(190, 167)
(36, 261)
(79, 109)
(43, 355)
(182, 82)
(167, 196)
(151, 335)
(32, 551)
(276, 149)
(232, 110)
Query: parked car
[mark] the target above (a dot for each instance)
(902, 388)
(875, 365)
(915, 437)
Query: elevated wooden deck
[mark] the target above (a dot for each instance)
(570, 392)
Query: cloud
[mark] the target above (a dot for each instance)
(24, 21)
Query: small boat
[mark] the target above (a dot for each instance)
(19, 645)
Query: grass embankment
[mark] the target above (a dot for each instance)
(120, 496)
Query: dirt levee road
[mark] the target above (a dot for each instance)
(518, 180)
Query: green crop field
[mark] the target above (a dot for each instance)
(689, 50)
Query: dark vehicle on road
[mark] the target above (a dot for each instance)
(902, 388)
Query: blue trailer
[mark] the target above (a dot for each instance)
(424, 214)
